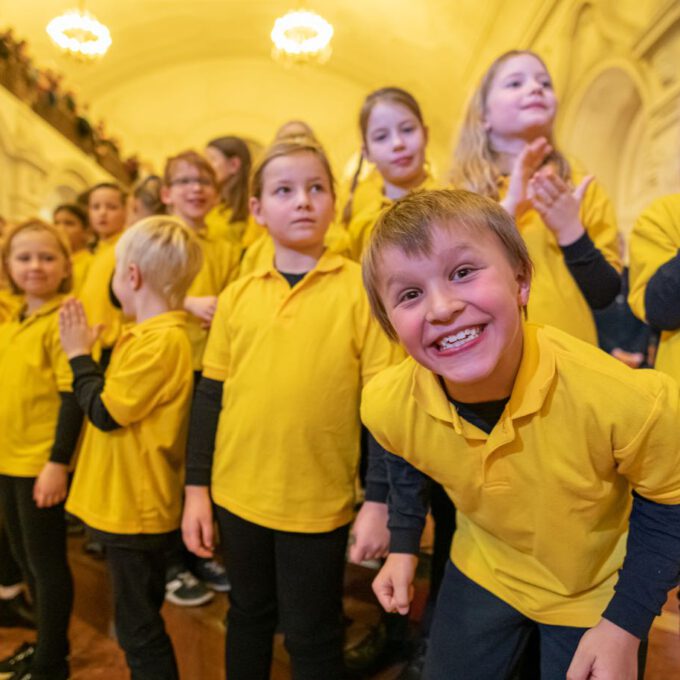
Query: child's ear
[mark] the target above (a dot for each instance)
(165, 195)
(135, 276)
(256, 210)
(523, 278)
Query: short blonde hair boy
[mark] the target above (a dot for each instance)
(408, 226)
(167, 253)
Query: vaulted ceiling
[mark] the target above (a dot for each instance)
(179, 73)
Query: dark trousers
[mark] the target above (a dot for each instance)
(289, 578)
(10, 572)
(137, 567)
(476, 634)
(37, 538)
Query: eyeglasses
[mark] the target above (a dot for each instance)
(188, 181)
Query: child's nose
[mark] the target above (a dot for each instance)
(443, 307)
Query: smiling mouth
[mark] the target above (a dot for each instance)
(460, 339)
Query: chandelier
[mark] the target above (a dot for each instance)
(79, 34)
(301, 37)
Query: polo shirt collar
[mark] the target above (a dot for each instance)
(165, 320)
(329, 261)
(535, 377)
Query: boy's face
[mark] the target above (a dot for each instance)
(107, 212)
(74, 228)
(458, 311)
(191, 194)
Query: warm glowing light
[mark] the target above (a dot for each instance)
(302, 36)
(80, 34)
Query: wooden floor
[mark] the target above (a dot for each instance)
(198, 633)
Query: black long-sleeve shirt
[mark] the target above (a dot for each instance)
(662, 296)
(88, 385)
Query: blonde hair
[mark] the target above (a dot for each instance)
(410, 222)
(393, 95)
(288, 147)
(474, 161)
(167, 253)
(35, 224)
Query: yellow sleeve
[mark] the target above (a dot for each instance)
(259, 255)
(59, 361)
(216, 356)
(599, 220)
(140, 382)
(655, 240)
(377, 350)
(651, 459)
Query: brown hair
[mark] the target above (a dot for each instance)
(191, 158)
(287, 147)
(105, 185)
(474, 161)
(76, 210)
(148, 192)
(394, 95)
(36, 224)
(410, 222)
(234, 190)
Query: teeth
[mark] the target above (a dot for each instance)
(459, 339)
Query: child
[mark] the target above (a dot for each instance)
(539, 440)
(73, 220)
(145, 200)
(128, 483)
(107, 216)
(290, 348)
(39, 428)
(655, 277)
(190, 193)
(394, 138)
(506, 151)
(230, 159)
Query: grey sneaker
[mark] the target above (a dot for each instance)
(185, 590)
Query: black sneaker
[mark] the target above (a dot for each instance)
(185, 590)
(19, 660)
(28, 674)
(213, 574)
(414, 668)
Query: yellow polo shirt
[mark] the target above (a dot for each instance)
(129, 480)
(370, 201)
(220, 266)
(556, 299)
(543, 501)
(240, 233)
(33, 370)
(293, 362)
(655, 240)
(80, 264)
(94, 292)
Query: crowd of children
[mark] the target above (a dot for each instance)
(186, 370)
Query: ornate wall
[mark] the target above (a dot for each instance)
(38, 167)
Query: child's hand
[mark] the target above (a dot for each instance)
(557, 205)
(393, 586)
(526, 164)
(370, 537)
(631, 359)
(197, 521)
(51, 486)
(605, 652)
(77, 338)
(203, 308)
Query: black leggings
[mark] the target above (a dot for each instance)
(10, 572)
(291, 578)
(38, 540)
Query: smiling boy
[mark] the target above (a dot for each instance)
(538, 438)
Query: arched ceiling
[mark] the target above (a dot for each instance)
(181, 72)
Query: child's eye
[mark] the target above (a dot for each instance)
(547, 83)
(408, 128)
(461, 273)
(514, 82)
(318, 187)
(381, 137)
(282, 190)
(407, 295)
